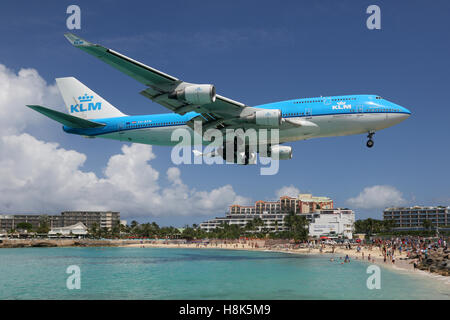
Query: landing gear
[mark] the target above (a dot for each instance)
(370, 142)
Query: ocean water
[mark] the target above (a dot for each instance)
(154, 273)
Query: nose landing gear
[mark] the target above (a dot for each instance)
(370, 142)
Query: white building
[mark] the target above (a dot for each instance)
(333, 222)
(78, 229)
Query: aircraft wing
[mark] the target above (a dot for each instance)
(221, 113)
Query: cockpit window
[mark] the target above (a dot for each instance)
(378, 97)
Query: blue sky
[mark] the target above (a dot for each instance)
(258, 52)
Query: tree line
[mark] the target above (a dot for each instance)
(297, 229)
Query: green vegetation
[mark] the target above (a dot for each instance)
(44, 225)
(297, 225)
(24, 226)
(372, 226)
(426, 224)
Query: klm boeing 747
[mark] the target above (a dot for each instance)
(92, 116)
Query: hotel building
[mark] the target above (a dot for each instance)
(318, 210)
(333, 222)
(410, 218)
(103, 219)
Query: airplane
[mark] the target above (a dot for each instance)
(91, 116)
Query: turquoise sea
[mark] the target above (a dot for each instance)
(153, 273)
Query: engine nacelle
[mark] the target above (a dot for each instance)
(196, 94)
(281, 152)
(268, 117)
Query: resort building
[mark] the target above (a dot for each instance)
(412, 218)
(103, 219)
(10, 221)
(273, 213)
(304, 203)
(332, 222)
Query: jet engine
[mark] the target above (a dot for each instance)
(196, 94)
(281, 152)
(267, 117)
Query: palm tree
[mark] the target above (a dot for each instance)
(297, 225)
(426, 224)
(94, 230)
(388, 225)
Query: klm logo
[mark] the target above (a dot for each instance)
(85, 104)
(341, 106)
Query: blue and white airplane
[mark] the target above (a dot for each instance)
(92, 116)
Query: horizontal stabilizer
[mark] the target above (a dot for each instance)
(66, 119)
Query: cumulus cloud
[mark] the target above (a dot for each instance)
(39, 176)
(18, 90)
(375, 197)
(290, 191)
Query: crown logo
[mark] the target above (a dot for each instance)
(341, 103)
(85, 98)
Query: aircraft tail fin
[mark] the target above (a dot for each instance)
(66, 119)
(84, 103)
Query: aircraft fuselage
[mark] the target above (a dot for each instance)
(333, 116)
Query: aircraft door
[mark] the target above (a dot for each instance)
(308, 113)
(121, 127)
(360, 111)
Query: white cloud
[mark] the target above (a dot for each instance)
(18, 90)
(379, 196)
(290, 191)
(38, 176)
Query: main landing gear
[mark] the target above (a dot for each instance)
(370, 142)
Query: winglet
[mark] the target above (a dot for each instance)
(77, 41)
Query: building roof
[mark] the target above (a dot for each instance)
(76, 226)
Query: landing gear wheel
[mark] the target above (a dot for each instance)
(369, 143)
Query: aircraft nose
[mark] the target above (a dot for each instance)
(406, 111)
(403, 114)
